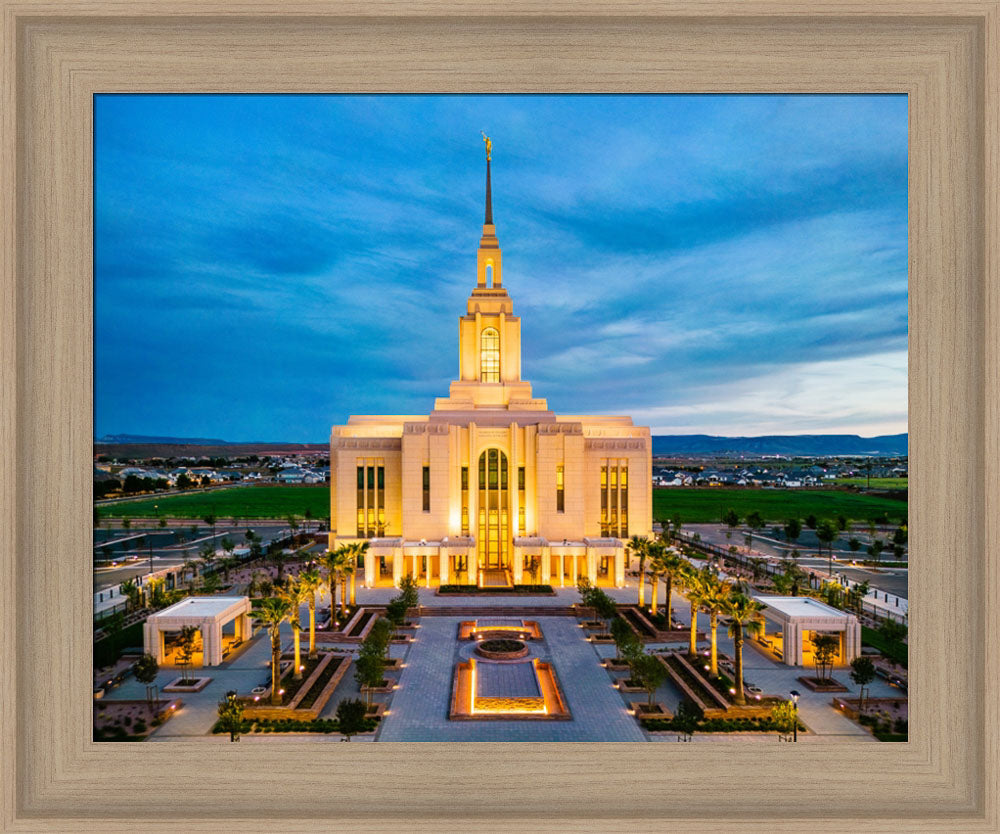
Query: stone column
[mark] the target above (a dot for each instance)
(591, 561)
(573, 574)
(620, 569)
(473, 560)
(546, 567)
(397, 566)
(518, 565)
(371, 566)
(444, 563)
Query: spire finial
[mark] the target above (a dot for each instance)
(489, 196)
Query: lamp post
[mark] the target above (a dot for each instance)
(795, 714)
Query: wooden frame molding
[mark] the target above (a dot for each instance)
(57, 54)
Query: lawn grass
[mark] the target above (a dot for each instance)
(242, 502)
(876, 483)
(895, 650)
(708, 504)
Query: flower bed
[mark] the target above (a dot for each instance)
(753, 724)
(293, 725)
(131, 720)
(502, 649)
(475, 590)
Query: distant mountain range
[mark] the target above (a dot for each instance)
(812, 445)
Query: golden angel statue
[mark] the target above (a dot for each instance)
(489, 145)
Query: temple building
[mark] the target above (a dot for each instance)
(490, 488)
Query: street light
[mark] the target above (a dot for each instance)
(795, 714)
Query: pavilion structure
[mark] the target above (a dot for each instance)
(210, 615)
(791, 623)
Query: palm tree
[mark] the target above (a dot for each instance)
(744, 618)
(192, 566)
(713, 600)
(271, 613)
(655, 551)
(330, 562)
(346, 563)
(693, 581)
(295, 594)
(357, 560)
(638, 546)
(673, 562)
(310, 580)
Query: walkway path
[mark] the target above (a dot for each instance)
(419, 709)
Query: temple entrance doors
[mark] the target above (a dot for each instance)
(492, 543)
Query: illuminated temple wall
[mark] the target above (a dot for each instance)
(397, 480)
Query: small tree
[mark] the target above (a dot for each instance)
(793, 529)
(784, 718)
(824, 649)
(185, 651)
(732, 520)
(605, 607)
(395, 611)
(231, 715)
(351, 717)
(648, 672)
(862, 673)
(687, 719)
(627, 642)
(369, 671)
(146, 670)
(132, 592)
(755, 522)
(408, 591)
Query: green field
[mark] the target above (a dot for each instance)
(241, 502)
(877, 483)
(775, 505)
(694, 505)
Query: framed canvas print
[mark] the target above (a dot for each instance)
(721, 414)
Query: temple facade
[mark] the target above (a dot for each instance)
(491, 488)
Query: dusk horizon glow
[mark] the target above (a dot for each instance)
(268, 265)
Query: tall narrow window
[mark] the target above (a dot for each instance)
(465, 500)
(489, 355)
(427, 489)
(614, 498)
(560, 491)
(371, 498)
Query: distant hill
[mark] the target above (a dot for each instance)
(173, 441)
(813, 445)
(137, 446)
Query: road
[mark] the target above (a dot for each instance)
(892, 580)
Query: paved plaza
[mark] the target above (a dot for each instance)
(418, 709)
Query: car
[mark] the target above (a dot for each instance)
(896, 681)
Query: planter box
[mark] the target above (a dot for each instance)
(611, 666)
(387, 686)
(642, 710)
(198, 685)
(830, 686)
(624, 687)
(601, 638)
(376, 711)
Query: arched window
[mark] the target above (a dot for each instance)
(489, 355)
(489, 274)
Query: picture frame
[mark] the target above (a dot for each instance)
(57, 55)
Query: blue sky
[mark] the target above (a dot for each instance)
(268, 265)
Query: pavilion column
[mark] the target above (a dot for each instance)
(371, 560)
(518, 566)
(591, 560)
(427, 579)
(546, 566)
(397, 567)
(573, 575)
(445, 566)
